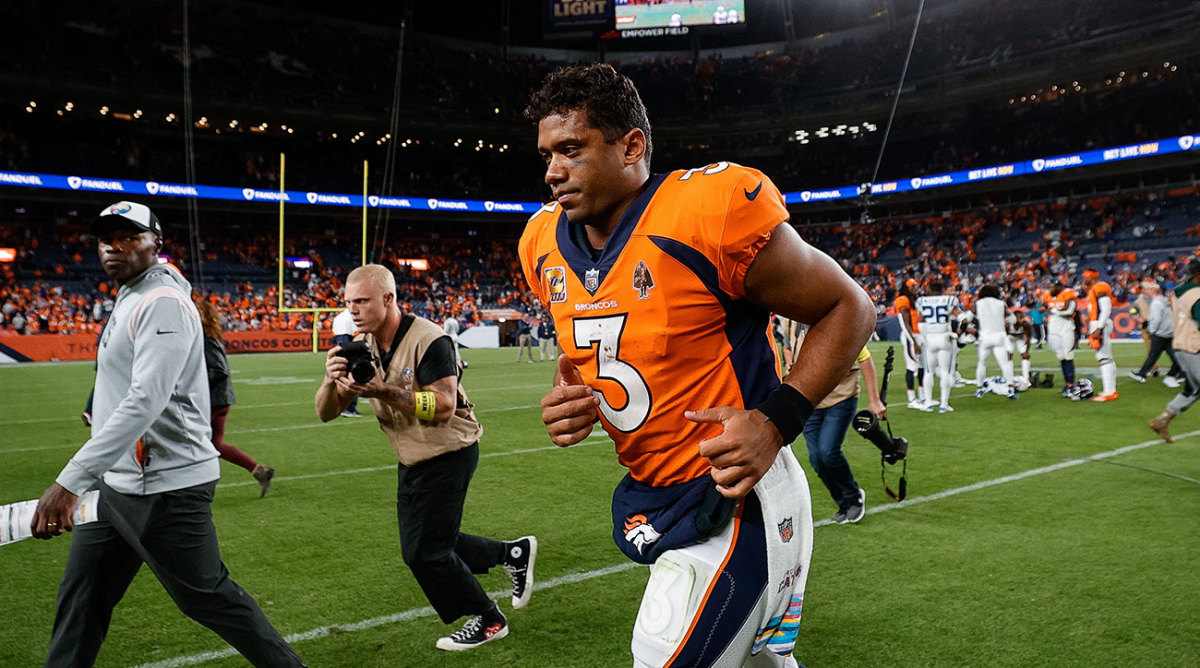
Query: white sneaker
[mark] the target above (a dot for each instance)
(519, 558)
(474, 633)
(1171, 381)
(945, 409)
(916, 404)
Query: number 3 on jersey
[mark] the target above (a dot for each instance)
(604, 334)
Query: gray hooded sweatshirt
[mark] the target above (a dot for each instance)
(151, 395)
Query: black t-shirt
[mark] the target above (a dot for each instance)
(438, 362)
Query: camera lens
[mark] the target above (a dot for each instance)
(362, 371)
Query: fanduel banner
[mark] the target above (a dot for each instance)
(136, 189)
(1036, 166)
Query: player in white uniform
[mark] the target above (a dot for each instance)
(343, 333)
(1020, 334)
(937, 310)
(1100, 327)
(964, 325)
(990, 312)
(450, 327)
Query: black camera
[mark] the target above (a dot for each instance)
(360, 361)
(893, 448)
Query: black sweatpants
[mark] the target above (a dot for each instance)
(173, 534)
(429, 507)
(1158, 346)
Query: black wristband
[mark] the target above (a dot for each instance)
(788, 409)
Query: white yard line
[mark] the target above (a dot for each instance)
(414, 613)
(594, 438)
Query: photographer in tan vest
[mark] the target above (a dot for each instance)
(407, 370)
(1185, 310)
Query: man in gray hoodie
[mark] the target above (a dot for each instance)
(151, 457)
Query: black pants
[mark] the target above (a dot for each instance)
(1158, 346)
(429, 506)
(173, 534)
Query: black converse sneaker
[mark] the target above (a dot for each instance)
(474, 633)
(519, 556)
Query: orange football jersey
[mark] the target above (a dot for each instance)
(1064, 298)
(1099, 289)
(914, 316)
(658, 323)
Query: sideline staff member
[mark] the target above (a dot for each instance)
(661, 286)
(151, 458)
(431, 424)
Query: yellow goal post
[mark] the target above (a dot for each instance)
(316, 312)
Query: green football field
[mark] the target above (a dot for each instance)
(1038, 532)
(698, 12)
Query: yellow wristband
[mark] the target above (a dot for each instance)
(424, 405)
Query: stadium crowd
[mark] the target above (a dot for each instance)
(464, 277)
(1130, 237)
(51, 286)
(475, 96)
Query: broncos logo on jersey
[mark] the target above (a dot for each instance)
(640, 533)
(556, 284)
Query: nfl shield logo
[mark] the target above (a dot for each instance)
(591, 279)
(785, 530)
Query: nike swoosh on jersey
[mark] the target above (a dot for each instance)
(751, 194)
(165, 331)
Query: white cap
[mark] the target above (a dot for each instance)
(139, 215)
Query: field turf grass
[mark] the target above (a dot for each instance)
(1095, 562)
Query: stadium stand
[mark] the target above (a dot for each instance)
(978, 96)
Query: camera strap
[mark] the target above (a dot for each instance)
(902, 485)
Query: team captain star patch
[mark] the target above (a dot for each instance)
(642, 280)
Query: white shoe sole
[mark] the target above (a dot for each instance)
(451, 646)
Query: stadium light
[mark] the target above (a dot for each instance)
(29, 109)
(33, 104)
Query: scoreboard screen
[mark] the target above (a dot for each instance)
(640, 14)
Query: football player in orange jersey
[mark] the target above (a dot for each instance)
(912, 343)
(1062, 335)
(1100, 326)
(661, 286)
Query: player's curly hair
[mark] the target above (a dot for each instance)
(609, 99)
(211, 320)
